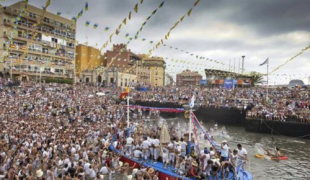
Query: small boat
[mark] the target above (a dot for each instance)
(263, 156)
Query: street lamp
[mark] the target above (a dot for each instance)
(243, 64)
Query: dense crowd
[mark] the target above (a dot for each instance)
(56, 131)
(281, 104)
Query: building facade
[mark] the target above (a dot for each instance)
(188, 77)
(87, 58)
(121, 57)
(157, 67)
(33, 45)
(126, 61)
(112, 77)
(220, 78)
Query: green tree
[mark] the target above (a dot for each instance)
(257, 78)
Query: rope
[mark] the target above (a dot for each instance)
(282, 134)
(213, 143)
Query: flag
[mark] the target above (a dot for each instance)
(58, 13)
(129, 15)
(96, 25)
(265, 62)
(106, 28)
(48, 2)
(161, 4)
(151, 42)
(192, 102)
(143, 39)
(86, 6)
(87, 23)
(124, 21)
(154, 12)
(136, 8)
(182, 18)
(127, 35)
(195, 4)
(80, 14)
(189, 12)
(141, 1)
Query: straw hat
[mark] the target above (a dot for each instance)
(151, 171)
(194, 163)
(39, 173)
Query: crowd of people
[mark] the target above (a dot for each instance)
(282, 103)
(56, 131)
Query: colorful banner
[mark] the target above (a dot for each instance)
(157, 108)
(228, 83)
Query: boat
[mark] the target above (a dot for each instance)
(171, 174)
(263, 156)
(164, 173)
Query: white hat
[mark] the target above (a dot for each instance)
(39, 173)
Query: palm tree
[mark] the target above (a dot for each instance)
(256, 78)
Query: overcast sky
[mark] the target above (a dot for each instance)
(221, 30)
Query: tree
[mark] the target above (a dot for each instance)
(257, 78)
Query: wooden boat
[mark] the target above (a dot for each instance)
(165, 173)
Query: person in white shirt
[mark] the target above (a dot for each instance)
(151, 149)
(129, 142)
(224, 151)
(145, 148)
(241, 157)
(172, 149)
(156, 144)
(183, 147)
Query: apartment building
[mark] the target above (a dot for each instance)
(36, 44)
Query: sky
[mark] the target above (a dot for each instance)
(221, 30)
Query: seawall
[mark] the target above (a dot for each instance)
(292, 129)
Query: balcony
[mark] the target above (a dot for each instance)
(32, 28)
(24, 72)
(28, 16)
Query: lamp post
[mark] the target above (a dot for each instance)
(243, 64)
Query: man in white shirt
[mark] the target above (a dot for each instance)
(137, 153)
(156, 144)
(183, 147)
(145, 148)
(129, 142)
(224, 151)
(242, 157)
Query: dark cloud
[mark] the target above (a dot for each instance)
(221, 29)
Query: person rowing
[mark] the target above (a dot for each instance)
(275, 156)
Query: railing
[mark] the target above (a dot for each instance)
(36, 29)
(35, 17)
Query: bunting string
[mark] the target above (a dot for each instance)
(291, 59)
(157, 45)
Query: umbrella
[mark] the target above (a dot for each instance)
(100, 94)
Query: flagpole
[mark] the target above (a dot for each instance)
(267, 77)
(190, 131)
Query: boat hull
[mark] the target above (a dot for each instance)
(167, 173)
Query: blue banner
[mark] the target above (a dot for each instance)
(203, 82)
(228, 83)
